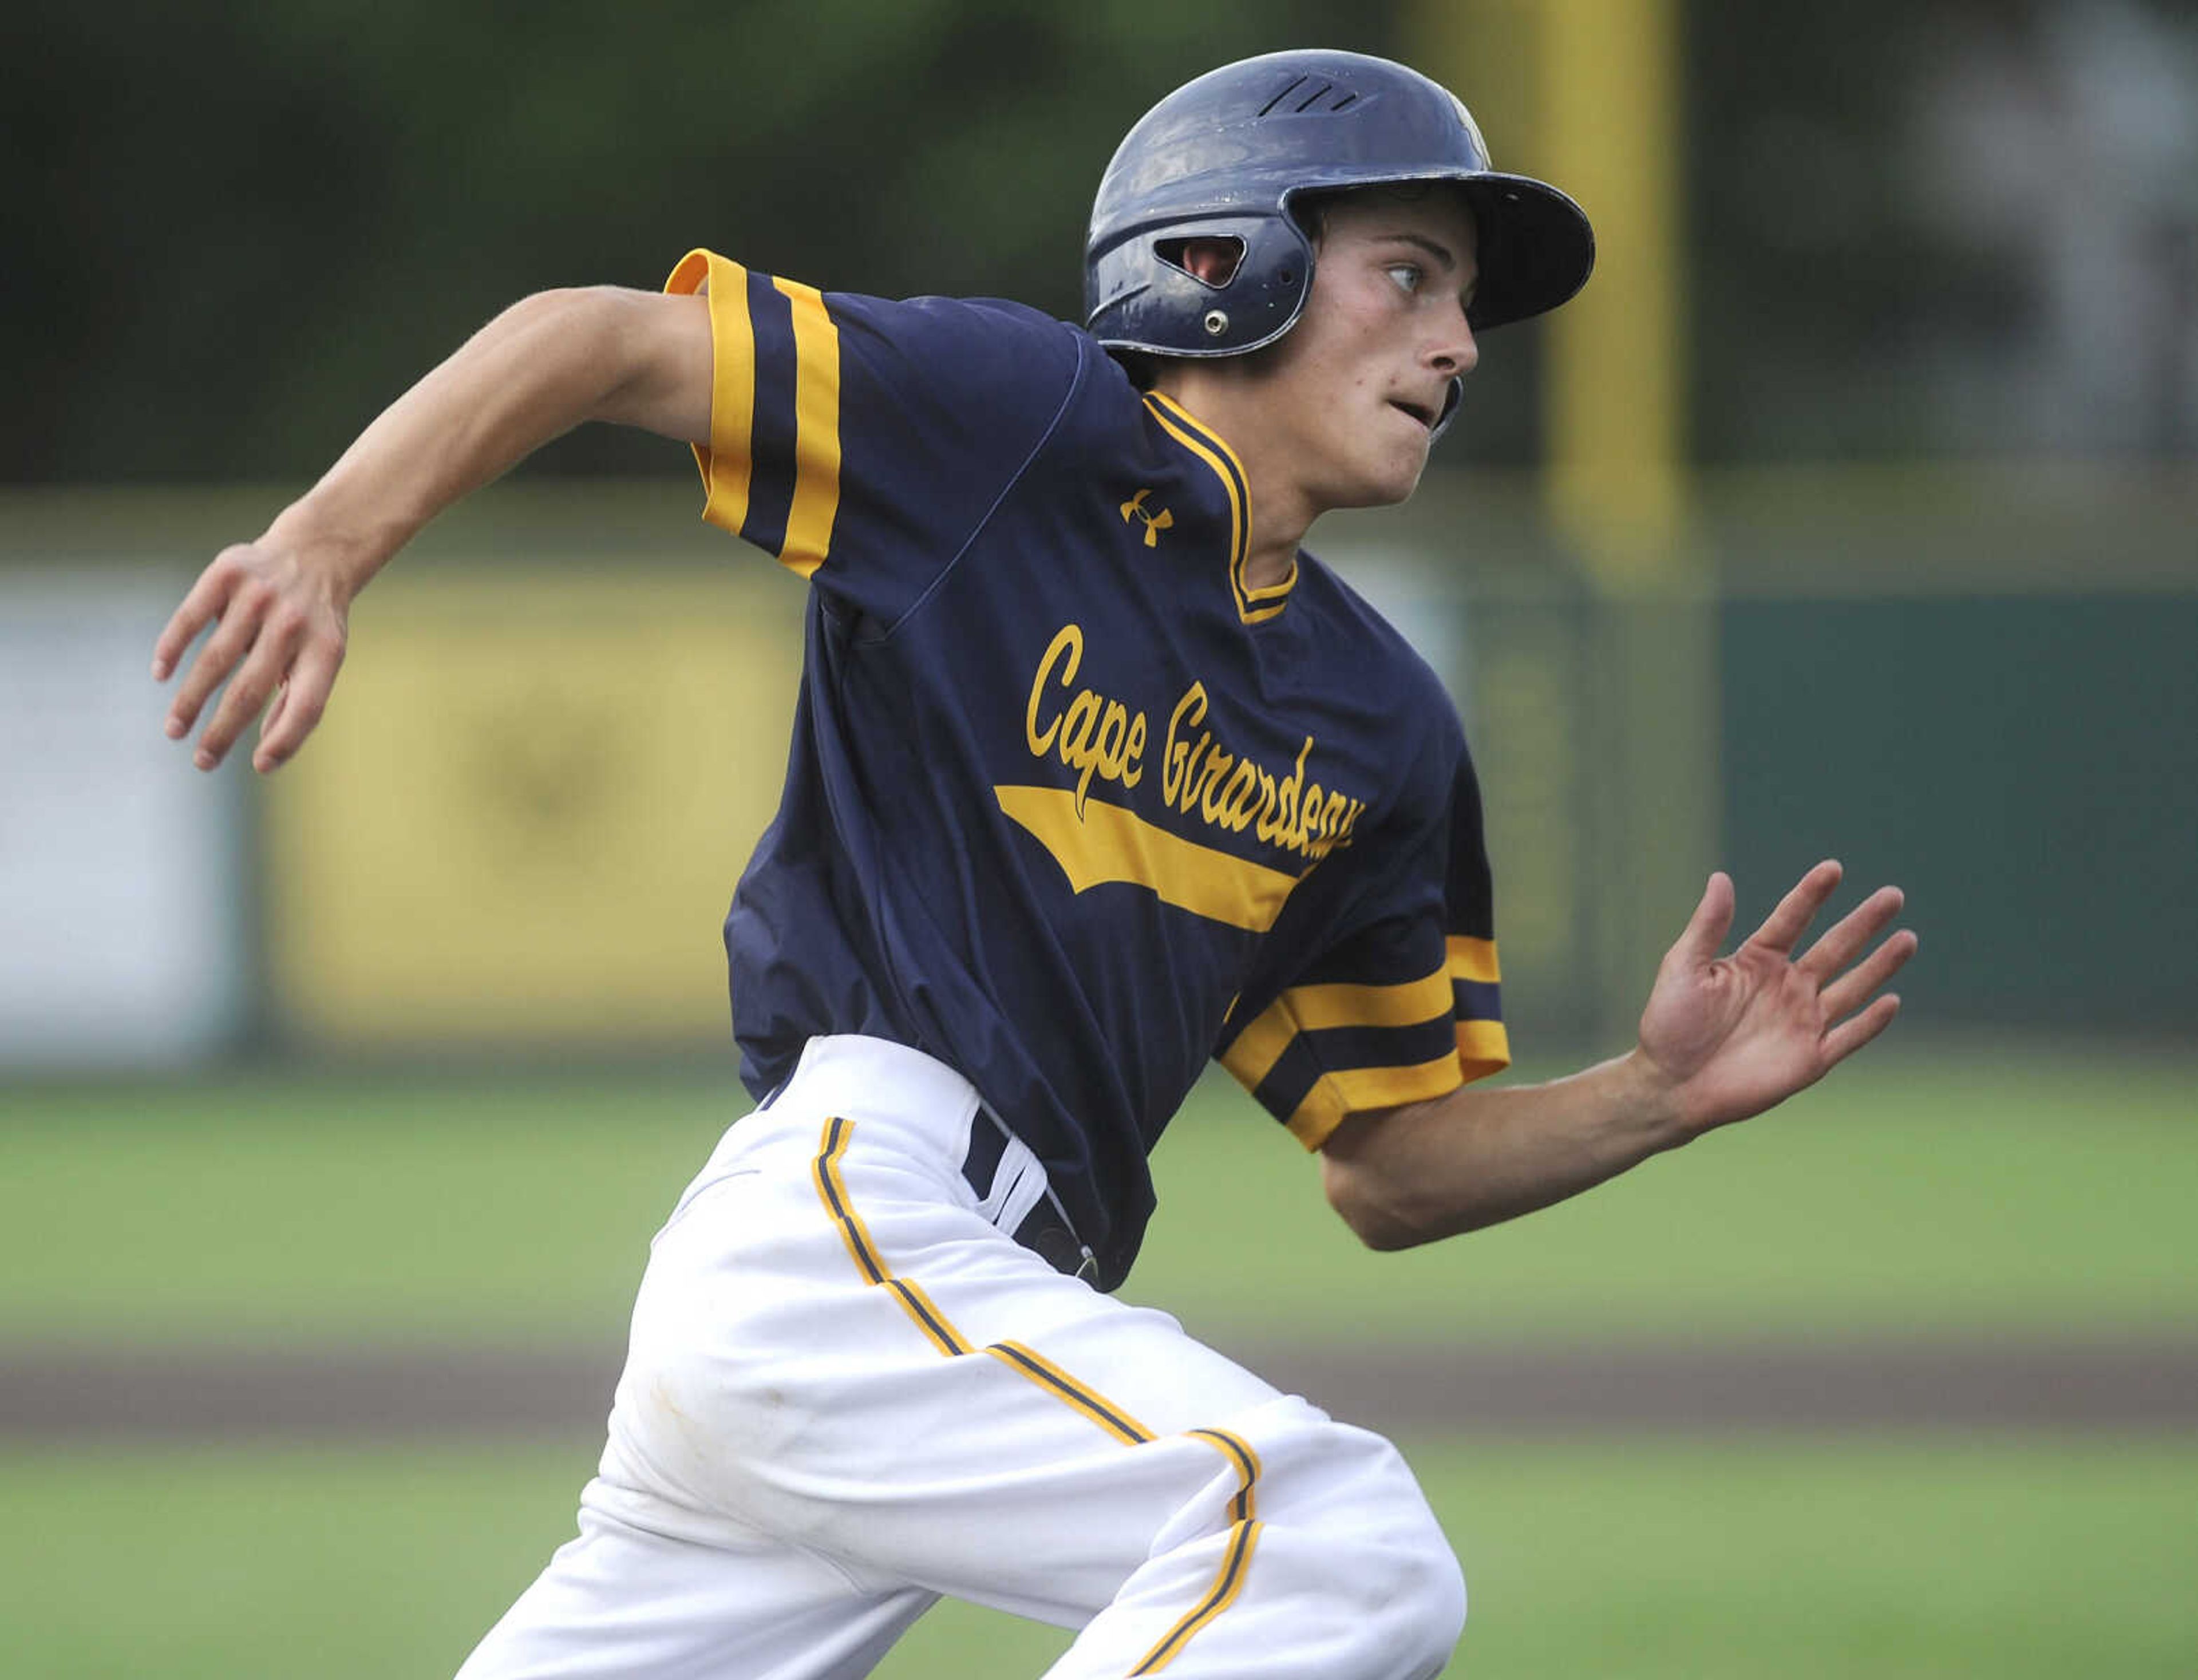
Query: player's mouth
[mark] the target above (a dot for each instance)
(1422, 412)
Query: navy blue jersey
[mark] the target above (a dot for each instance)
(1071, 805)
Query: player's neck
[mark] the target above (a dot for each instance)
(1274, 552)
(1281, 511)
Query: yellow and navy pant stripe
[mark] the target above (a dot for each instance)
(1243, 1535)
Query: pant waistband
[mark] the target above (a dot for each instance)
(918, 1094)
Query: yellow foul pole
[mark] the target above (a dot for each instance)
(1607, 77)
(1587, 94)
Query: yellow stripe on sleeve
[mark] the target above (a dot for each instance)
(815, 430)
(1473, 959)
(1259, 1046)
(1319, 1006)
(1483, 1048)
(724, 461)
(1352, 1091)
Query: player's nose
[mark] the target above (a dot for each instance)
(1454, 351)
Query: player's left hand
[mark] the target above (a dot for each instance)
(1725, 1038)
(279, 613)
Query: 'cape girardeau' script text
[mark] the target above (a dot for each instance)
(1101, 738)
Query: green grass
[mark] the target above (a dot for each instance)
(1920, 1190)
(261, 1560)
(303, 1210)
(2013, 1558)
(1915, 1193)
(1885, 1560)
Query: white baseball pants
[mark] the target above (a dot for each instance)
(848, 1393)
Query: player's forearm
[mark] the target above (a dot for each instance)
(1482, 1156)
(540, 369)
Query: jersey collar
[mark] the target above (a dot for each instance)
(1254, 606)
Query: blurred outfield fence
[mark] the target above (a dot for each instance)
(565, 715)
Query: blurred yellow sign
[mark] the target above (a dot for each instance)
(524, 810)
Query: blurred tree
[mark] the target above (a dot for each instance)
(231, 231)
(1965, 226)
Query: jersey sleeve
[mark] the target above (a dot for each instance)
(1403, 1003)
(861, 441)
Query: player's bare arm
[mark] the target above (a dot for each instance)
(279, 605)
(1721, 1039)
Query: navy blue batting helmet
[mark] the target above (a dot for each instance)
(1223, 158)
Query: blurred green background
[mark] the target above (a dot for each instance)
(1851, 511)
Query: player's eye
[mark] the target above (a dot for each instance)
(1407, 275)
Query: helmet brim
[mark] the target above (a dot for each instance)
(1537, 248)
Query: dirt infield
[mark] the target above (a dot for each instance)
(103, 1395)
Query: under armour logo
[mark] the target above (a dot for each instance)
(1155, 523)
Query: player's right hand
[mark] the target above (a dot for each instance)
(1730, 1036)
(279, 628)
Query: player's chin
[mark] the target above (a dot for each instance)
(1376, 465)
(1389, 480)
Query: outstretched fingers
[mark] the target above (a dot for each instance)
(1846, 994)
(1851, 1035)
(1848, 938)
(1783, 927)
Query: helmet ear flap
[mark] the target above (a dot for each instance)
(1148, 299)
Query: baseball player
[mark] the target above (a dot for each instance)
(1096, 774)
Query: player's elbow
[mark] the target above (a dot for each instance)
(612, 353)
(661, 359)
(1366, 1200)
(1380, 1232)
(572, 316)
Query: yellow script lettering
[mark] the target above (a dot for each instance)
(1102, 739)
(1240, 800)
(1069, 642)
(1094, 735)
(1176, 758)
